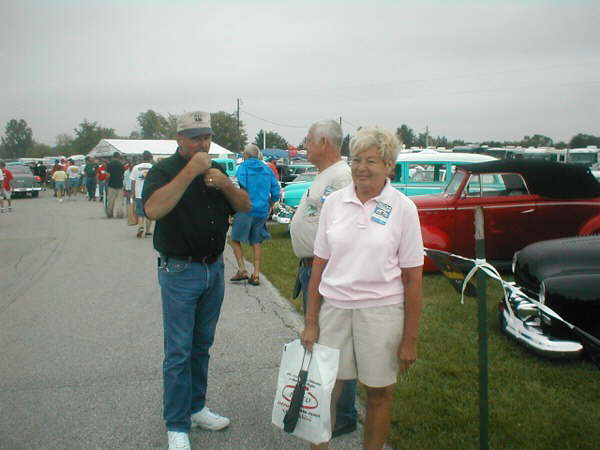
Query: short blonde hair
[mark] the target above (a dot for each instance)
(386, 143)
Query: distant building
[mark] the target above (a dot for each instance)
(133, 148)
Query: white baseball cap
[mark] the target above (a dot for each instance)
(192, 124)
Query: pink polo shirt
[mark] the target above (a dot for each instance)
(366, 246)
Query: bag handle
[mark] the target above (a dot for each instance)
(293, 413)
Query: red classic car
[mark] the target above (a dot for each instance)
(524, 201)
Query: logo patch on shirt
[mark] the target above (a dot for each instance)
(328, 190)
(382, 213)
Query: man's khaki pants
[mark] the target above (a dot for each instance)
(114, 203)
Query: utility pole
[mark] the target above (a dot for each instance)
(340, 121)
(237, 137)
(427, 136)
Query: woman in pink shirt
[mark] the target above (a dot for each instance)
(365, 294)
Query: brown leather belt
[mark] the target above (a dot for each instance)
(307, 262)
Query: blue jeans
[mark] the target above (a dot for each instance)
(90, 185)
(346, 408)
(102, 187)
(192, 294)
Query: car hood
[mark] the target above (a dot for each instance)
(431, 201)
(301, 186)
(558, 257)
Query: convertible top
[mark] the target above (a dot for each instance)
(546, 178)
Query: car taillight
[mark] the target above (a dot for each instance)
(38, 179)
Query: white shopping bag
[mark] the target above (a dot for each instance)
(314, 419)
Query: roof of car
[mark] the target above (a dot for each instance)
(433, 156)
(547, 178)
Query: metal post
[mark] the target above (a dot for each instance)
(237, 138)
(483, 334)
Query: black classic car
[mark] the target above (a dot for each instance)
(563, 275)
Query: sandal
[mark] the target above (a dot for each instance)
(254, 281)
(140, 232)
(241, 275)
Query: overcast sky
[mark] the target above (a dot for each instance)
(467, 70)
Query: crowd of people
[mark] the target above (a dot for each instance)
(117, 184)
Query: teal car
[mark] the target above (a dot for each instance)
(293, 191)
(228, 165)
(417, 173)
(429, 172)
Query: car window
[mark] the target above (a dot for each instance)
(19, 169)
(454, 184)
(495, 185)
(427, 173)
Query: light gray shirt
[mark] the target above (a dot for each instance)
(303, 228)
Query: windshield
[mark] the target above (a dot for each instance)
(454, 184)
(17, 168)
(583, 158)
(305, 177)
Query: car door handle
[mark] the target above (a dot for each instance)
(527, 211)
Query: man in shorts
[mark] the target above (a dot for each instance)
(258, 180)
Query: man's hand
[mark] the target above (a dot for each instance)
(199, 163)
(309, 336)
(215, 178)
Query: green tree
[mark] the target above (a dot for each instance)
(64, 145)
(226, 132)
(18, 139)
(39, 150)
(88, 135)
(583, 140)
(406, 136)
(537, 140)
(560, 145)
(154, 125)
(274, 140)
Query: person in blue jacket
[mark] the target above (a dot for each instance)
(258, 180)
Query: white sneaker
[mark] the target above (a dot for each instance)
(208, 420)
(178, 440)
(60, 200)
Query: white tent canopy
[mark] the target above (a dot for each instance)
(158, 148)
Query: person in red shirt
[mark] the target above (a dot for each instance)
(101, 177)
(273, 167)
(6, 187)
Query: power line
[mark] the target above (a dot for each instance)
(274, 123)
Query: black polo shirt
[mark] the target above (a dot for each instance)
(198, 224)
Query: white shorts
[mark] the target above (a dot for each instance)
(5, 194)
(368, 340)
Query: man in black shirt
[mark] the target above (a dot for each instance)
(191, 199)
(114, 197)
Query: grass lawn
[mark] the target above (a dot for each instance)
(534, 403)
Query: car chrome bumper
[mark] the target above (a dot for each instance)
(31, 189)
(524, 326)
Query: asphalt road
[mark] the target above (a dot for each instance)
(81, 339)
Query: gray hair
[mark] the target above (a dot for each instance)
(328, 129)
(252, 151)
(386, 143)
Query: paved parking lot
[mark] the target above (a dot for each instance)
(81, 339)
